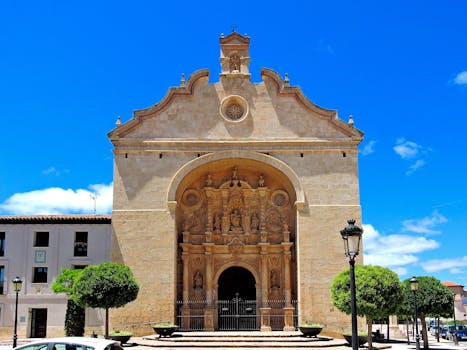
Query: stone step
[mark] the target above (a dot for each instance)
(244, 340)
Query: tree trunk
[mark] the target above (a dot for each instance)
(424, 332)
(106, 323)
(369, 323)
(408, 329)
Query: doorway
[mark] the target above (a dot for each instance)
(237, 300)
(38, 323)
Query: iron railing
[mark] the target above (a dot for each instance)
(235, 314)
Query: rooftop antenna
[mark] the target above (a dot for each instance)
(93, 197)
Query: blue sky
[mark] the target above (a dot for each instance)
(69, 68)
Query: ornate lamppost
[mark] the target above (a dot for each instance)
(17, 283)
(414, 287)
(352, 235)
(454, 332)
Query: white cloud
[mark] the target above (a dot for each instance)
(393, 251)
(461, 78)
(418, 164)
(407, 149)
(425, 225)
(369, 148)
(50, 170)
(57, 200)
(453, 265)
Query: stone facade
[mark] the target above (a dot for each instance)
(230, 180)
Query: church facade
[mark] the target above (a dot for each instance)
(228, 202)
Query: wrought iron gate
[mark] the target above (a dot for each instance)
(237, 314)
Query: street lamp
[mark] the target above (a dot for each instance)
(17, 283)
(454, 332)
(352, 235)
(414, 287)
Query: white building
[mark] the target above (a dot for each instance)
(36, 248)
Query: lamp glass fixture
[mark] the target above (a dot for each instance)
(17, 284)
(414, 283)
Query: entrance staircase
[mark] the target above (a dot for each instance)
(239, 340)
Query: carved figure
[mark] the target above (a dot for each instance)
(234, 63)
(274, 279)
(261, 181)
(217, 223)
(198, 280)
(235, 219)
(234, 173)
(209, 181)
(254, 222)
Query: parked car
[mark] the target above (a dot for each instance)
(443, 331)
(461, 332)
(72, 343)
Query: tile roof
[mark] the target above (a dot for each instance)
(56, 219)
(452, 284)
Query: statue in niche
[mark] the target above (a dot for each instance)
(209, 181)
(254, 222)
(235, 220)
(234, 173)
(274, 279)
(198, 280)
(186, 226)
(234, 64)
(261, 181)
(217, 223)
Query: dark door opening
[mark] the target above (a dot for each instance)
(237, 300)
(38, 323)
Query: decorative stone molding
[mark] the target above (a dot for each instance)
(234, 109)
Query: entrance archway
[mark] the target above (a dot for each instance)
(236, 224)
(236, 300)
(236, 281)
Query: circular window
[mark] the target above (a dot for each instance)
(234, 108)
(280, 198)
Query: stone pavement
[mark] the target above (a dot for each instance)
(277, 340)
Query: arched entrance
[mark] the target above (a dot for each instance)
(236, 281)
(236, 300)
(236, 224)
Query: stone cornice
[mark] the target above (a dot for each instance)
(183, 145)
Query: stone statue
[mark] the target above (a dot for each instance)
(235, 219)
(234, 64)
(234, 173)
(217, 223)
(254, 222)
(274, 279)
(261, 181)
(209, 181)
(198, 280)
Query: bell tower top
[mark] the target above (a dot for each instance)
(235, 56)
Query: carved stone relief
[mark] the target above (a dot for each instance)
(219, 212)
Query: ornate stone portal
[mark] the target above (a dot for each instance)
(235, 221)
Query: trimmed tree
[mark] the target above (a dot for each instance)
(106, 286)
(378, 293)
(433, 300)
(74, 316)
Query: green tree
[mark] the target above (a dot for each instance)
(378, 293)
(433, 300)
(74, 316)
(107, 285)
